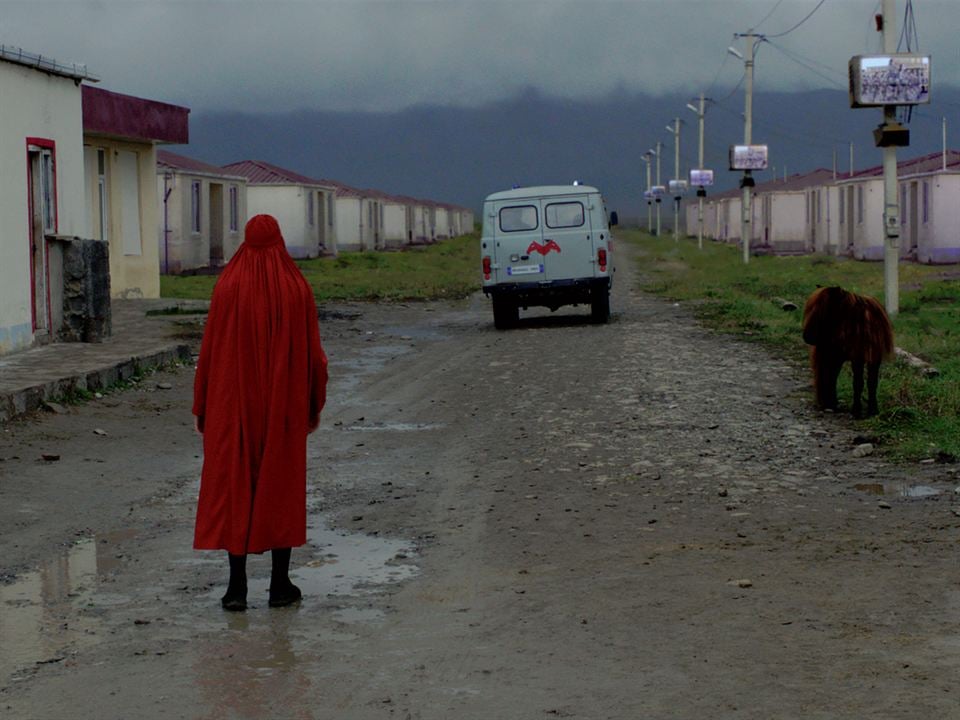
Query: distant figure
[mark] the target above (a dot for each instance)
(259, 389)
(842, 326)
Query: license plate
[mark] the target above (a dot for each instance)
(525, 270)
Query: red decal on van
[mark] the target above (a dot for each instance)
(545, 248)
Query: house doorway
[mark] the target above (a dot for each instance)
(216, 224)
(42, 193)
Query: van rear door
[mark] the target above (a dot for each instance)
(517, 235)
(567, 248)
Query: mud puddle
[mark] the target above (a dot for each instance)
(39, 622)
(902, 490)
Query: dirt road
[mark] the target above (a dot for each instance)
(637, 520)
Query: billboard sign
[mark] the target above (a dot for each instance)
(701, 178)
(658, 191)
(678, 187)
(898, 79)
(748, 157)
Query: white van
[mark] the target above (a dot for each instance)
(546, 246)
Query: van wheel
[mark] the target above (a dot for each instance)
(600, 306)
(505, 314)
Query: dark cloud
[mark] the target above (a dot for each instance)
(387, 55)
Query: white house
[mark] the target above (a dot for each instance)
(41, 188)
(304, 207)
(351, 217)
(393, 219)
(203, 211)
(120, 137)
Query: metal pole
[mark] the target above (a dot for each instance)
(659, 145)
(891, 207)
(700, 115)
(676, 177)
(646, 196)
(745, 214)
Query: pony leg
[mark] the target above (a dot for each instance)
(827, 369)
(857, 388)
(873, 380)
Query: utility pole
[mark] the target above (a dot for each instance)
(747, 182)
(676, 178)
(646, 160)
(700, 111)
(659, 146)
(891, 203)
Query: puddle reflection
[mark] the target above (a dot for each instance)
(899, 490)
(37, 619)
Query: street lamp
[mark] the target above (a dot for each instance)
(700, 111)
(646, 159)
(675, 129)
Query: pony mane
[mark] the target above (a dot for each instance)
(855, 326)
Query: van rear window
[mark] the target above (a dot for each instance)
(564, 215)
(516, 219)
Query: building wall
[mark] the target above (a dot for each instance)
(394, 224)
(348, 223)
(790, 213)
(132, 214)
(180, 247)
(288, 204)
(43, 106)
(868, 236)
(441, 225)
(939, 236)
(826, 229)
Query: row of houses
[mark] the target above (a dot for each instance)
(822, 212)
(204, 208)
(92, 207)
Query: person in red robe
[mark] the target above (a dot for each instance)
(259, 388)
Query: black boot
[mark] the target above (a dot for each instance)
(282, 591)
(236, 596)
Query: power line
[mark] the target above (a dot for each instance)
(805, 64)
(808, 16)
(765, 17)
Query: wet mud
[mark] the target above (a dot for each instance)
(633, 520)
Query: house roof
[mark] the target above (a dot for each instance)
(922, 165)
(125, 116)
(19, 56)
(793, 183)
(258, 172)
(173, 161)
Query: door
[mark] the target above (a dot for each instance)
(517, 235)
(216, 224)
(567, 250)
(42, 194)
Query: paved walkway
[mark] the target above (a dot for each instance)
(32, 377)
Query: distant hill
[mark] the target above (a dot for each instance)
(460, 155)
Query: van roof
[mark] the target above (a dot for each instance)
(541, 190)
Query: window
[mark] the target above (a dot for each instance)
(843, 193)
(819, 210)
(564, 215)
(310, 207)
(926, 201)
(195, 206)
(516, 219)
(330, 202)
(860, 204)
(234, 208)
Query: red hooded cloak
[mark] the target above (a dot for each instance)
(260, 385)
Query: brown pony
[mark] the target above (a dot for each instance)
(842, 326)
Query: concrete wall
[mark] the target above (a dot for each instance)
(348, 222)
(180, 248)
(39, 105)
(288, 204)
(394, 224)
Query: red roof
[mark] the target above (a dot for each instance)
(263, 173)
(793, 183)
(167, 159)
(126, 116)
(922, 165)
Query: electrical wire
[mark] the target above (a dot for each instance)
(806, 63)
(808, 16)
(765, 17)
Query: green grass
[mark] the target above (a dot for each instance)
(446, 270)
(919, 415)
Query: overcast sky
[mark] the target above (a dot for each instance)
(386, 55)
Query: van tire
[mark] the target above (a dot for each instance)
(600, 306)
(505, 314)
